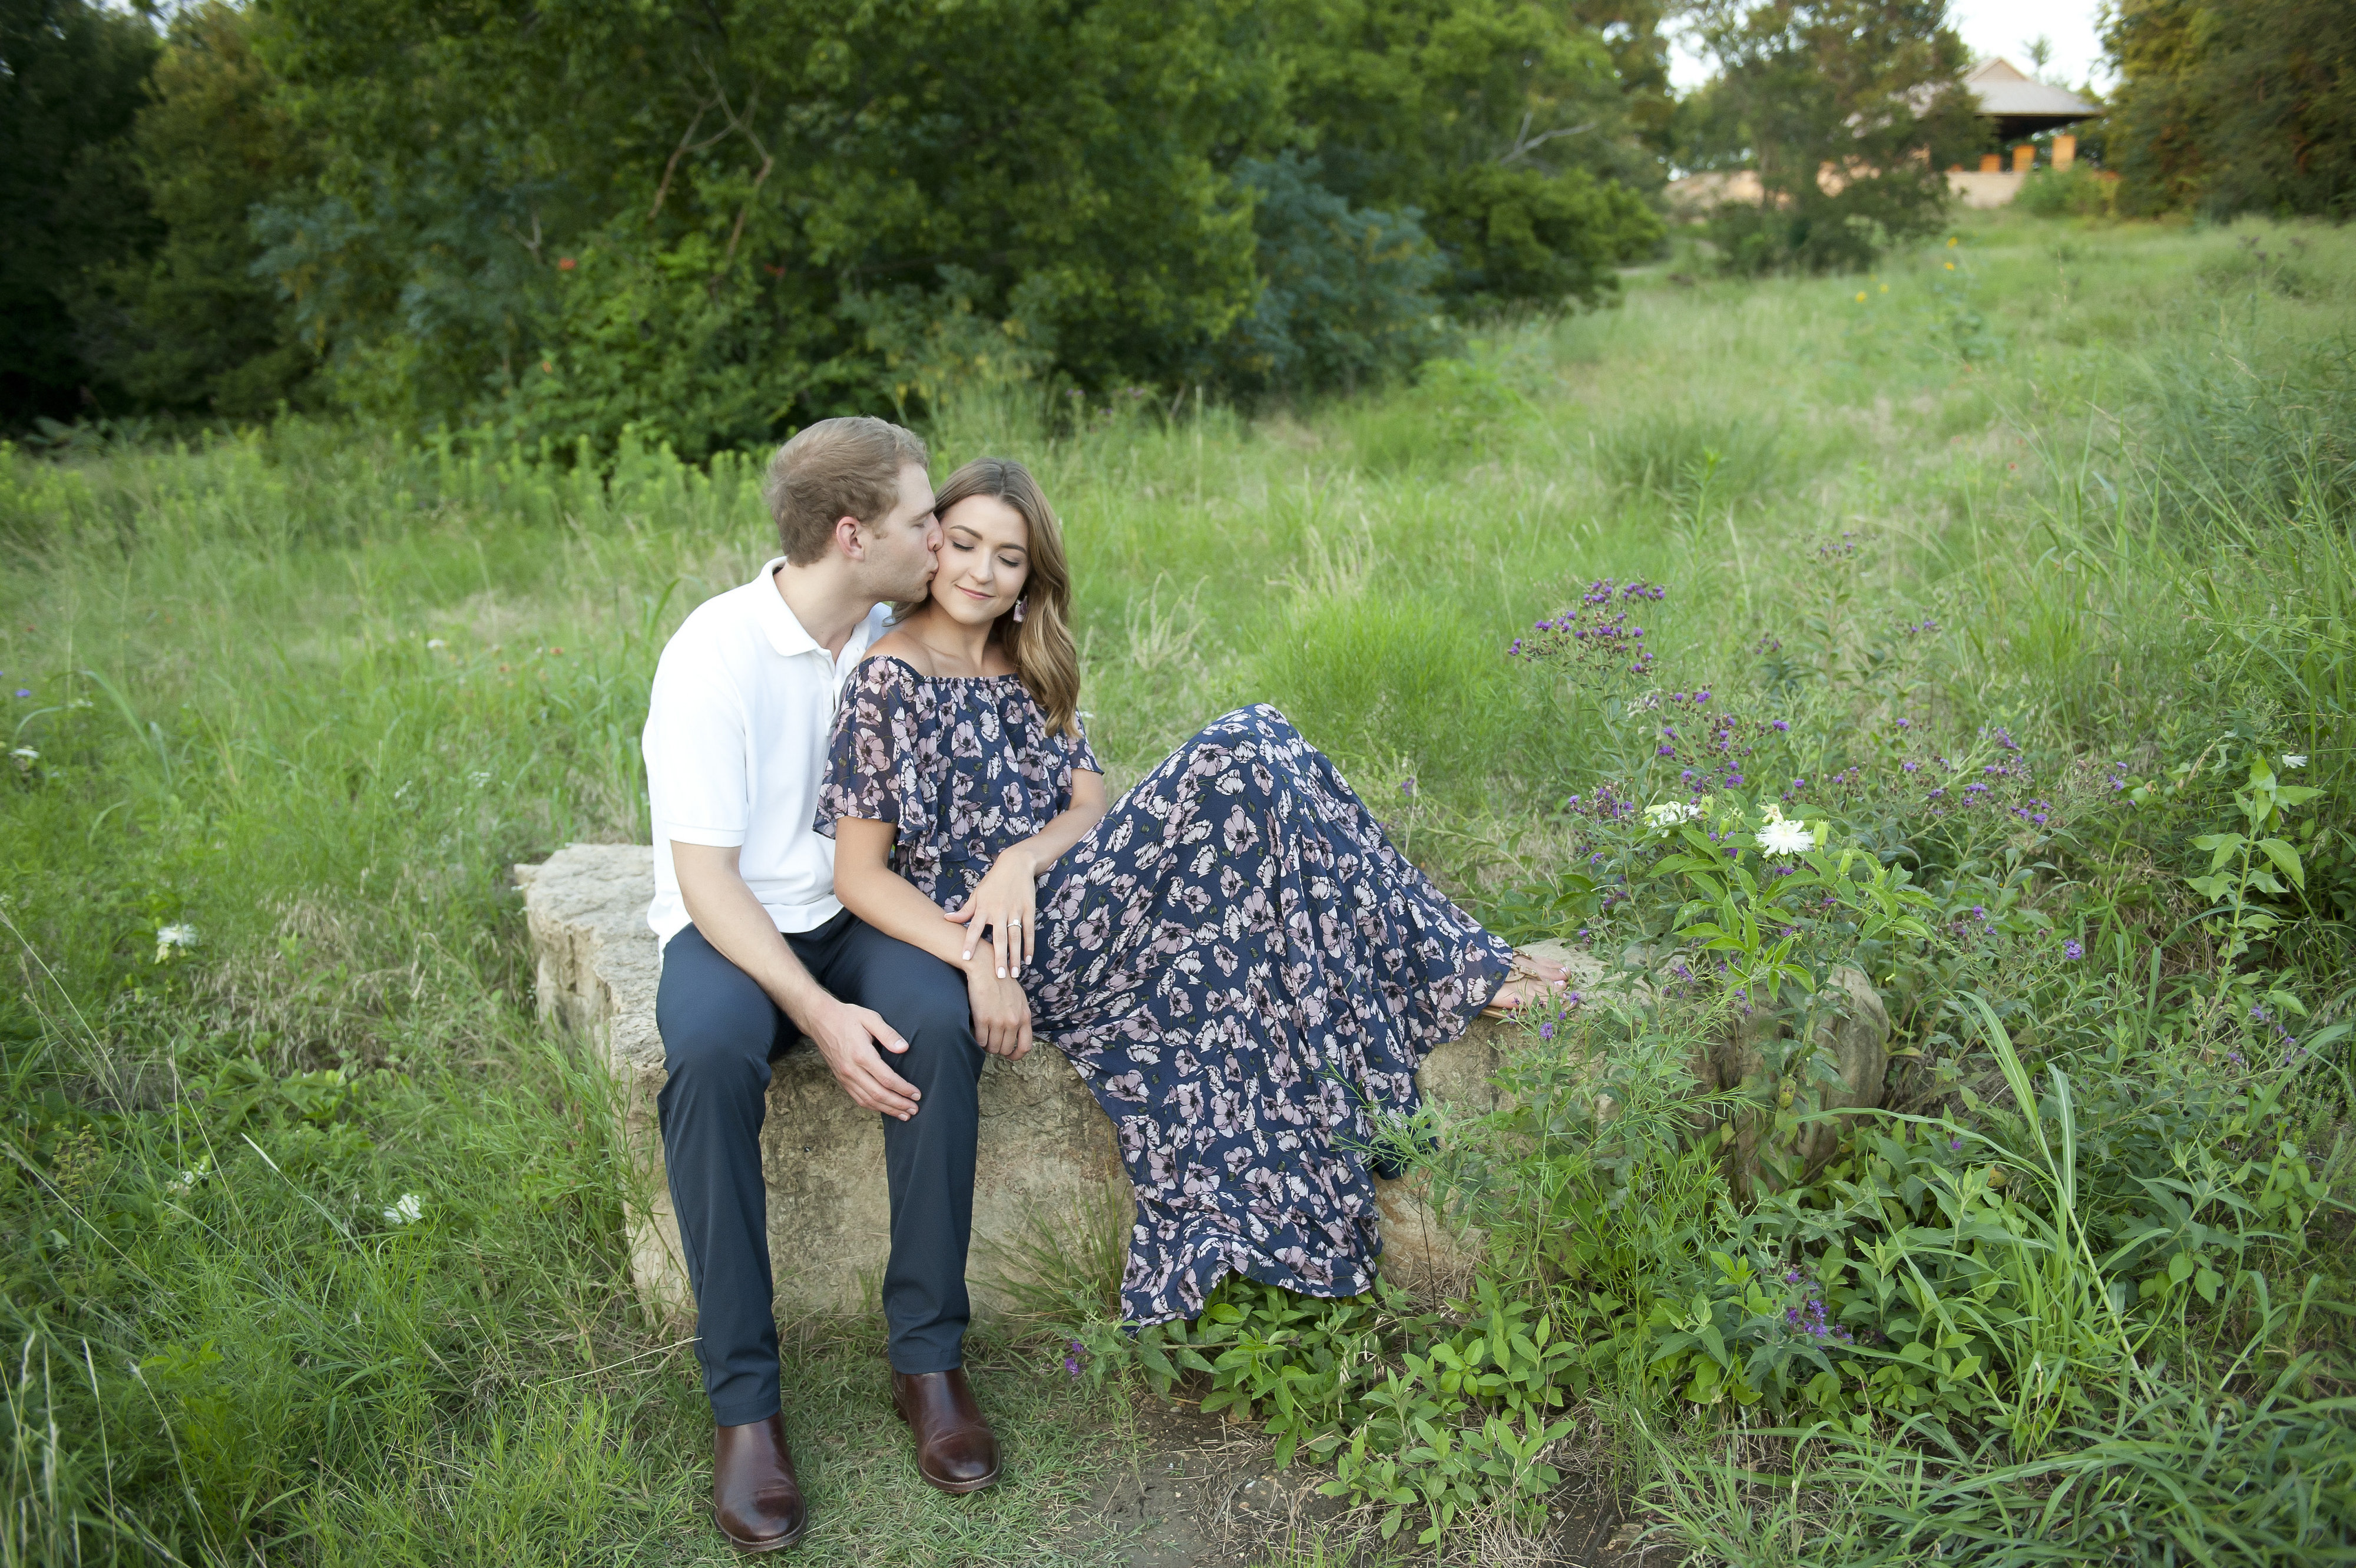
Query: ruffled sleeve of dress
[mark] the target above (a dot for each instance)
(871, 766)
(1078, 755)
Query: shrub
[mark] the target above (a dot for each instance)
(2074, 192)
(1346, 292)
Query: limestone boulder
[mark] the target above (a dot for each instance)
(1047, 1159)
(1840, 1067)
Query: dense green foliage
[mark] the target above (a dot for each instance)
(2246, 107)
(1834, 102)
(71, 77)
(1346, 292)
(1493, 119)
(712, 224)
(193, 325)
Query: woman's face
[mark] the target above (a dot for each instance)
(985, 560)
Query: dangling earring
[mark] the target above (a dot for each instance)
(1018, 609)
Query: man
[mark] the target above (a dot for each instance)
(756, 947)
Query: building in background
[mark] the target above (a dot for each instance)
(2021, 107)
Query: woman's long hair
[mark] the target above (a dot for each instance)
(1040, 644)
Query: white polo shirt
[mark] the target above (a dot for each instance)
(735, 745)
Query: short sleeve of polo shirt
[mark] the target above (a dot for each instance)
(695, 750)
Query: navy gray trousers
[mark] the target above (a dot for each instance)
(720, 1033)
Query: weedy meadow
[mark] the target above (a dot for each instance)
(1969, 640)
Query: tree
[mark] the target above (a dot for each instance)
(193, 327)
(1346, 292)
(716, 221)
(1848, 109)
(71, 77)
(2233, 108)
(1505, 123)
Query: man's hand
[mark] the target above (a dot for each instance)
(1002, 1013)
(733, 922)
(847, 1038)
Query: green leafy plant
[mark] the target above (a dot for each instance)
(2245, 860)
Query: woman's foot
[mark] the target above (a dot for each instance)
(1531, 981)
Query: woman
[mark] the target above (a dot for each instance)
(1240, 966)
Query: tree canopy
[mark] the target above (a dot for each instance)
(715, 221)
(72, 80)
(1847, 110)
(2233, 108)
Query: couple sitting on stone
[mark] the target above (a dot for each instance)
(878, 822)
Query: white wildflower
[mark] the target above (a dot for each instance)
(188, 1179)
(1670, 814)
(409, 1210)
(2294, 759)
(479, 780)
(170, 939)
(1779, 837)
(26, 757)
(435, 642)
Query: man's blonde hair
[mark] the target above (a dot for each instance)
(834, 469)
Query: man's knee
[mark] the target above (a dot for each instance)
(928, 1008)
(717, 1025)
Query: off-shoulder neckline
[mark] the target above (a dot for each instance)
(895, 658)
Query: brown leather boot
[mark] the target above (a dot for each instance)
(955, 1449)
(755, 1497)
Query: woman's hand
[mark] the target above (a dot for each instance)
(1001, 1013)
(1006, 903)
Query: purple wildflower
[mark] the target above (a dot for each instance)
(2071, 951)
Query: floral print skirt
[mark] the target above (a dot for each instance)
(1248, 975)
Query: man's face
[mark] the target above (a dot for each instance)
(904, 549)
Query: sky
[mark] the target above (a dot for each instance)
(1991, 28)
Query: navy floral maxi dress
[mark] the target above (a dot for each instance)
(1236, 962)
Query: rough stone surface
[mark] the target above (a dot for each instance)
(1047, 1157)
(1853, 1042)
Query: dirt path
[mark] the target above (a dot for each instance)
(1204, 1492)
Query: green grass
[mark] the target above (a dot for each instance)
(312, 693)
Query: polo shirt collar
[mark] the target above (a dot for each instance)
(779, 623)
(784, 629)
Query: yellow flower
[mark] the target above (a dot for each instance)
(1860, 296)
(1951, 241)
(1951, 266)
(1885, 289)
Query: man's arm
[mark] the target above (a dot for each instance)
(870, 889)
(735, 924)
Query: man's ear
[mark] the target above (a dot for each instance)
(850, 538)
